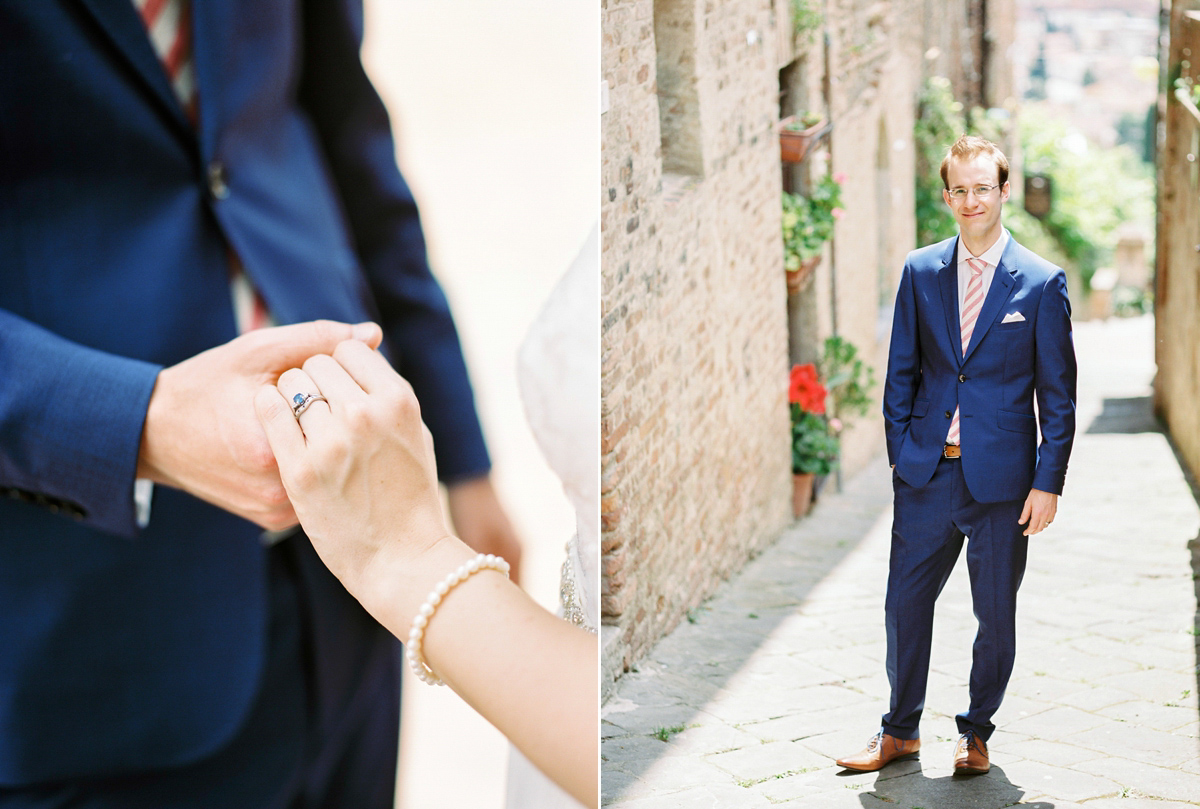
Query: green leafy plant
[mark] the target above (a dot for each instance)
(808, 221)
(848, 379)
(814, 448)
(664, 734)
(939, 122)
(806, 19)
(807, 120)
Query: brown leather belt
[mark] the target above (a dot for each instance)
(951, 451)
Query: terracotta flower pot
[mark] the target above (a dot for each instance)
(802, 492)
(799, 279)
(793, 144)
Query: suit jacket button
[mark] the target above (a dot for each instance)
(962, 378)
(217, 184)
(949, 414)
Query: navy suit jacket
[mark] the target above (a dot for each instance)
(121, 649)
(994, 383)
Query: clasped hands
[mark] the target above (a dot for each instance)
(204, 433)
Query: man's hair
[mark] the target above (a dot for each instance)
(968, 147)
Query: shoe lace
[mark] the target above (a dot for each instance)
(875, 742)
(968, 740)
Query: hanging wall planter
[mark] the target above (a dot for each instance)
(796, 136)
(798, 279)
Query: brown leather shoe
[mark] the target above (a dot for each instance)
(971, 755)
(881, 751)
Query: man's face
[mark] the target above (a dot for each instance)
(978, 216)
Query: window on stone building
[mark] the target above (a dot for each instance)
(678, 98)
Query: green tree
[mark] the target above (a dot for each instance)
(1096, 191)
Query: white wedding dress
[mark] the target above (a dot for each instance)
(558, 372)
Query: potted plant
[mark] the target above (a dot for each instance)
(848, 381)
(796, 133)
(814, 444)
(807, 225)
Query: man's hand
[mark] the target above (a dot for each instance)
(479, 520)
(1039, 511)
(201, 433)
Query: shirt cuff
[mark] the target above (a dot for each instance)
(143, 494)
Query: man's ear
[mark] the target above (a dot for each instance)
(1004, 191)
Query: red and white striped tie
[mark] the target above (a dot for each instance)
(972, 303)
(169, 24)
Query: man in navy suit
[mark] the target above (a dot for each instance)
(982, 326)
(157, 648)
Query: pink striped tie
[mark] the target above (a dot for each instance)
(972, 303)
(169, 24)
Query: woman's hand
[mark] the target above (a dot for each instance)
(359, 471)
(358, 468)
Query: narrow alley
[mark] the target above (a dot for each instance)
(748, 703)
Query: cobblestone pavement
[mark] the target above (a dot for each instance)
(748, 703)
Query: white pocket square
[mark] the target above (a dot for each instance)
(1012, 317)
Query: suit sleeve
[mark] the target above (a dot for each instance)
(1054, 381)
(70, 425)
(354, 132)
(903, 369)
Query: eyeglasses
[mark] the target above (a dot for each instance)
(980, 191)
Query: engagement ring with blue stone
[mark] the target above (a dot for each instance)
(302, 401)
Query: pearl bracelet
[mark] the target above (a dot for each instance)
(417, 634)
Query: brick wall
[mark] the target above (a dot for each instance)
(694, 343)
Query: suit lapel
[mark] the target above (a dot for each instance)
(948, 283)
(119, 21)
(210, 18)
(1001, 289)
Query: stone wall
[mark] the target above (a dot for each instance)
(1177, 270)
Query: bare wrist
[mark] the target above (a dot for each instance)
(396, 581)
(148, 466)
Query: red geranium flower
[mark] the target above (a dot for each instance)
(806, 389)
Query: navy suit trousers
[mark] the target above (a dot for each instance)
(928, 528)
(323, 730)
